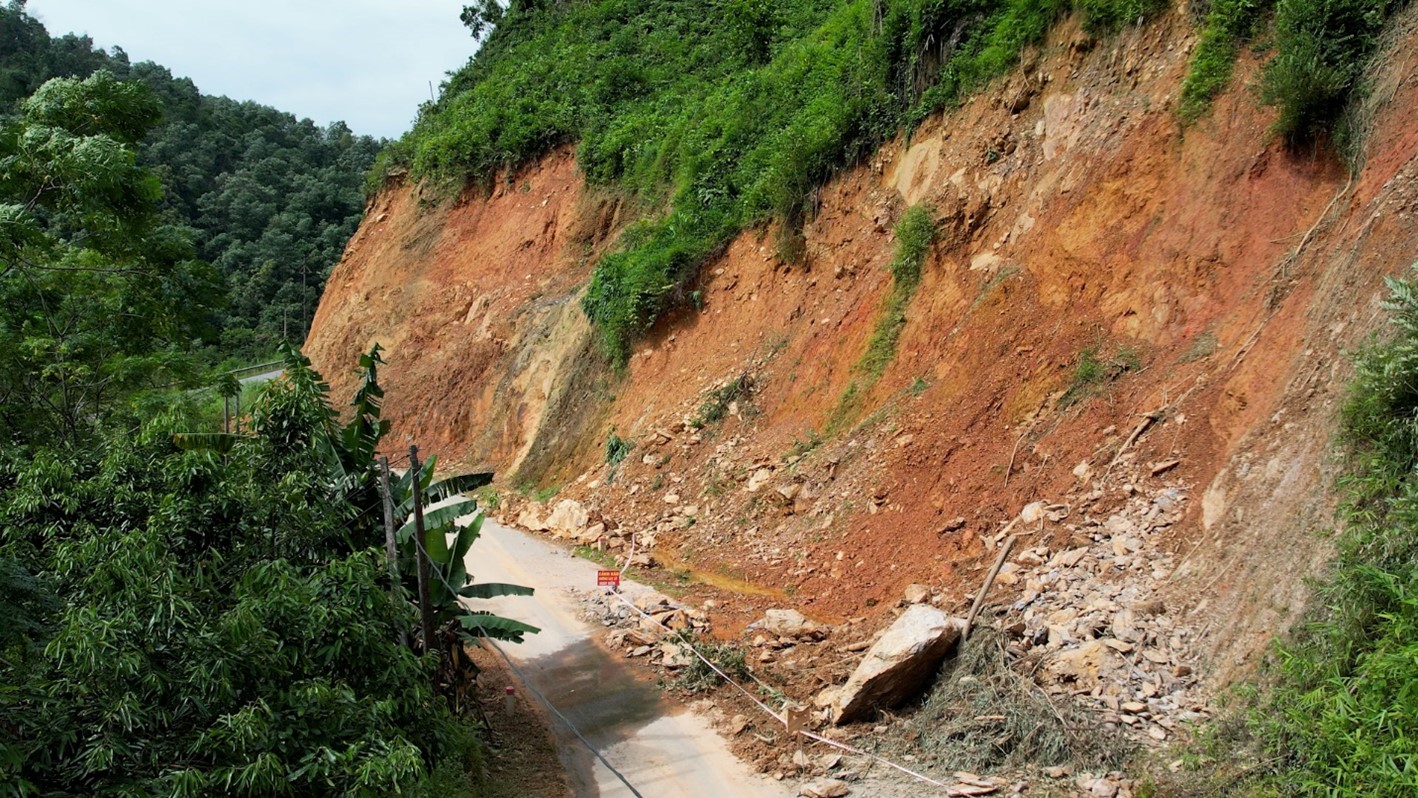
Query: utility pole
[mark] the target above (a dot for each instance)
(425, 600)
(391, 549)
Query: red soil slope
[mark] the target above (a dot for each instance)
(1076, 215)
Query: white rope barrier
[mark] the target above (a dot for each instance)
(779, 718)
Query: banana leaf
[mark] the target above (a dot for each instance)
(487, 590)
(436, 520)
(495, 626)
(466, 537)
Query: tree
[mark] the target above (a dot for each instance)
(482, 17)
(269, 200)
(99, 297)
(227, 623)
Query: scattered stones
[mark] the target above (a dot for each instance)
(759, 478)
(1092, 608)
(917, 594)
(824, 788)
(568, 519)
(1032, 513)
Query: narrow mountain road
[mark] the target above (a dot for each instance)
(266, 376)
(663, 751)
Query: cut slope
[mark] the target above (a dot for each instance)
(1076, 215)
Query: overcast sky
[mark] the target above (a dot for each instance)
(368, 62)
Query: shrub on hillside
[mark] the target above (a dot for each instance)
(1343, 720)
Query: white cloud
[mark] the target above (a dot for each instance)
(368, 62)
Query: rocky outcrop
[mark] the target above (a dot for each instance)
(897, 666)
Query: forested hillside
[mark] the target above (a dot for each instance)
(271, 198)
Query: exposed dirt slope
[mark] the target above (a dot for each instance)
(1216, 276)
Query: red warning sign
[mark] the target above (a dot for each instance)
(608, 578)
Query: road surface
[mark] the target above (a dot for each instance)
(664, 753)
(262, 377)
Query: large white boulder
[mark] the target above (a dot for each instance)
(898, 666)
(568, 518)
(787, 623)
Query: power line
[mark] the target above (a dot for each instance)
(779, 718)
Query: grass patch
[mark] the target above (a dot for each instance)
(801, 446)
(1343, 718)
(1203, 346)
(698, 677)
(602, 558)
(617, 448)
(914, 235)
(983, 715)
(539, 495)
(1227, 25)
(1094, 373)
(488, 498)
(1322, 47)
(1104, 16)
(716, 406)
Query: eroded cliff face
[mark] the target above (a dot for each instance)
(1216, 277)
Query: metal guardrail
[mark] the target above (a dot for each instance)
(258, 368)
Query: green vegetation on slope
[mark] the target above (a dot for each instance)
(1344, 719)
(716, 116)
(914, 235)
(194, 613)
(1227, 25)
(723, 115)
(270, 200)
(1320, 50)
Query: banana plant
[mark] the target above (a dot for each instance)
(451, 526)
(350, 456)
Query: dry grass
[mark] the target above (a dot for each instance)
(986, 714)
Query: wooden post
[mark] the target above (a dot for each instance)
(391, 548)
(226, 414)
(795, 718)
(425, 599)
(985, 589)
(238, 409)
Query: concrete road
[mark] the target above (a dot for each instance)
(263, 377)
(663, 752)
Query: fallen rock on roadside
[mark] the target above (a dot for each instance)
(897, 666)
(788, 623)
(824, 788)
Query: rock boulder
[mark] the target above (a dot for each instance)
(568, 518)
(899, 664)
(787, 623)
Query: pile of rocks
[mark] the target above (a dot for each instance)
(1090, 609)
(571, 520)
(657, 637)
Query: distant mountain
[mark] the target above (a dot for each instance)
(272, 198)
